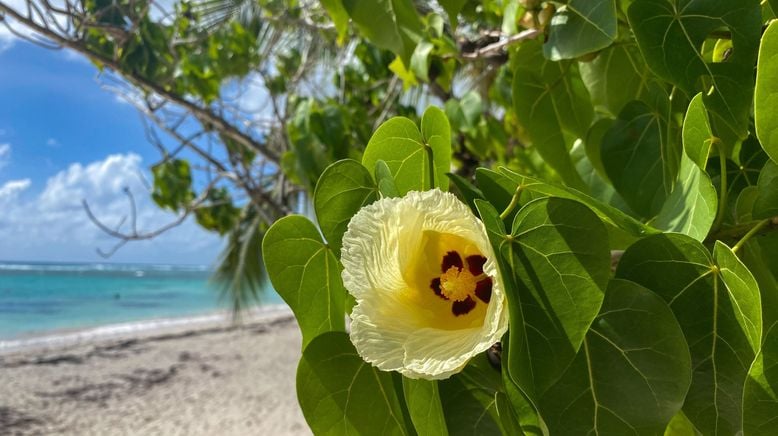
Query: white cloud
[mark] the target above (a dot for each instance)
(52, 224)
(5, 154)
(51, 142)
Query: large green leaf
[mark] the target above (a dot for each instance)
(340, 394)
(343, 188)
(306, 274)
(470, 399)
(766, 94)
(716, 301)
(634, 154)
(549, 98)
(418, 161)
(632, 373)
(766, 204)
(760, 395)
(423, 400)
(691, 206)
(615, 77)
(670, 34)
(580, 27)
(558, 261)
(607, 213)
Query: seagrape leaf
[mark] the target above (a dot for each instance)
(633, 155)
(306, 274)
(697, 134)
(343, 188)
(558, 261)
(339, 17)
(691, 207)
(760, 395)
(339, 393)
(615, 77)
(469, 399)
(549, 97)
(630, 376)
(670, 34)
(418, 160)
(423, 400)
(452, 8)
(581, 27)
(716, 301)
(766, 93)
(383, 176)
(766, 203)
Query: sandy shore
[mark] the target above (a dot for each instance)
(204, 378)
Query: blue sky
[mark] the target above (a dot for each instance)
(64, 138)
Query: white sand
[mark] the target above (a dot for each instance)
(206, 378)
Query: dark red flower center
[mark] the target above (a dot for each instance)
(460, 285)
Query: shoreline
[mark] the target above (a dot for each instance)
(83, 335)
(198, 375)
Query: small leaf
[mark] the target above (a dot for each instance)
(630, 376)
(615, 77)
(423, 402)
(339, 17)
(760, 395)
(696, 132)
(691, 207)
(766, 93)
(766, 204)
(452, 8)
(467, 190)
(306, 274)
(469, 401)
(415, 160)
(343, 188)
(420, 60)
(386, 23)
(581, 27)
(716, 301)
(339, 393)
(383, 176)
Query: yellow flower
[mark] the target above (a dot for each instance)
(425, 282)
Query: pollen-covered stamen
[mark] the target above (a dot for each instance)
(457, 284)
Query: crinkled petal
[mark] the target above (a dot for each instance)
(390, 330)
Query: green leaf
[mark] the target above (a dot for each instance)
(632, 373)
(343, 188)
(469, 399)
(558, 253)
(615, 77)
(420, 60)
(670, 34)
(549, 97)
(766, 204)
(581, 27)
(436, 132)
(691, 207)
(306, 274)
(633, 156)
(172, 184)
(339, 17)
(766, 93)
(418, 161)
(607, 213)
(680, 426)
(339, 393)
(697, 134)
(424, 405)
(758, 261)
(760, 395)
(716, 301)
(452, 8)
(385, 180)
(389, 24)
(467, 190)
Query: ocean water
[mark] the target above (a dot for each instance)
(39, 298)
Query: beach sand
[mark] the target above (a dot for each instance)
(212, 378)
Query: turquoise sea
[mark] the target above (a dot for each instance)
(39, 298)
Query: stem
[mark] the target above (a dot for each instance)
(512, 204)
(723, 191)
(430, 157)
(762, 224)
